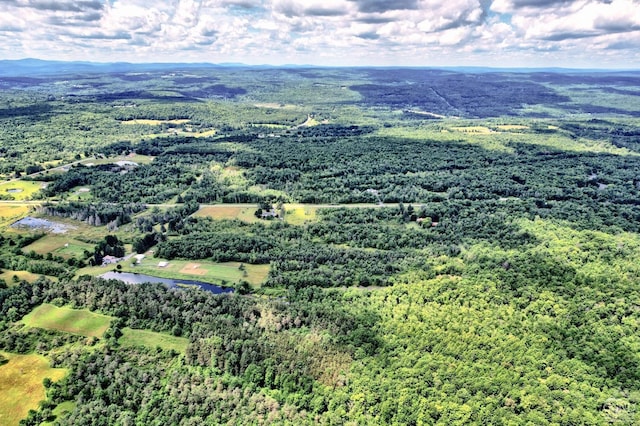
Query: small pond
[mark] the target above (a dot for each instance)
(42, 224)
(131, 278)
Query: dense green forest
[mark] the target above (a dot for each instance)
(439, 247)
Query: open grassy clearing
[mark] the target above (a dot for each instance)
(201, 270)
(69, 320)
(21, 386)
(242, 212)
(60, 412)
(61, 245)
(20, 190)
(299, 214)
(80, 193)
(151, 339)
(9, 213)
(7, 276)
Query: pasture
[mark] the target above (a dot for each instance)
(21, 386)
(60, 245)
(75, 321)
(151, 339)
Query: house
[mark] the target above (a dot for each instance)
(269, 214)
(108, 260)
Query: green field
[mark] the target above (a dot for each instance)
(9, 213)
(60, 245)
(151, 339)
(27, 276)
(60, 412)
(21, 386)
(74, 321)
(296, 214)
(19, 189)
(201, 270)
(244, 213)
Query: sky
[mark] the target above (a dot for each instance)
(497, 33)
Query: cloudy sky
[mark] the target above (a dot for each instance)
(532, 33)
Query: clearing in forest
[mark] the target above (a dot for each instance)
(29, 277)
(152, 339)
(21, 387)
(59, 245)
(206, 271)
(244, 213)
(20, 190)
(75, 321)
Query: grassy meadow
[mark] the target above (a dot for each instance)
(7, 276)
(21, 386)
(60, 245)
(151, 339)
(19, 190)
(75, 321)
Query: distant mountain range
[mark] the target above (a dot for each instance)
(37, 67)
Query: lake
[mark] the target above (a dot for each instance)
(131, 278)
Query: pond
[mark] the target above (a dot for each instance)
(43, 225)
(131, 278)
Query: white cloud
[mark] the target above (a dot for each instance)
(411, 32)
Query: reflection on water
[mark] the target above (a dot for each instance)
(131, 278)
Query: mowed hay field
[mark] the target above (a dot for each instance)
(75, 321)
(151, 339)
(60, 245)
(21, 386)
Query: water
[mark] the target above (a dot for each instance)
(131, 278)
(42, 224)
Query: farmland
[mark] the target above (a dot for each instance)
(404, 246)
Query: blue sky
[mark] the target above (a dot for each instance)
(524, 33)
